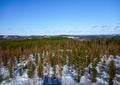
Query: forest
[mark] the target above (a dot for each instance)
(55, 51)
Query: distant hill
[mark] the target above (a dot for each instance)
(16, 37)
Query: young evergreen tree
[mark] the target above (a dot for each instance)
(11, 68)
(112, 72)
(30, 73)
(94, 74)
(54, 69)
(21, 70)
(10, 71)
(0, 78)
(31, 68)
(78, 75)
(40, 70)
(94, 71)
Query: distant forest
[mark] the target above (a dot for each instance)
(76, 49)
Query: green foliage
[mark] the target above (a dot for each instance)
(0, 78)
(11, 72)
(36, 59)
(94, 74)
(30, 72)
(77, 55)
(40, 70)
(31, 68)
(111, 45)
(21, 70)
(78, 76)
(11, 68)
(112, 72)
(54, 69)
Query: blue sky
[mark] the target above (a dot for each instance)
(56, 17)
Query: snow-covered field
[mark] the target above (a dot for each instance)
(68, 76)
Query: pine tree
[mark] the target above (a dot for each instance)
(40, 70)
(11, 68)
(11, 71)
(112, 71)
(94, 74)
(0, 78)
(30, 73)
(78, 75)
(21, 69)
(31, 68)
(54, 68)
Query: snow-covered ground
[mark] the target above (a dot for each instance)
(67, 77)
